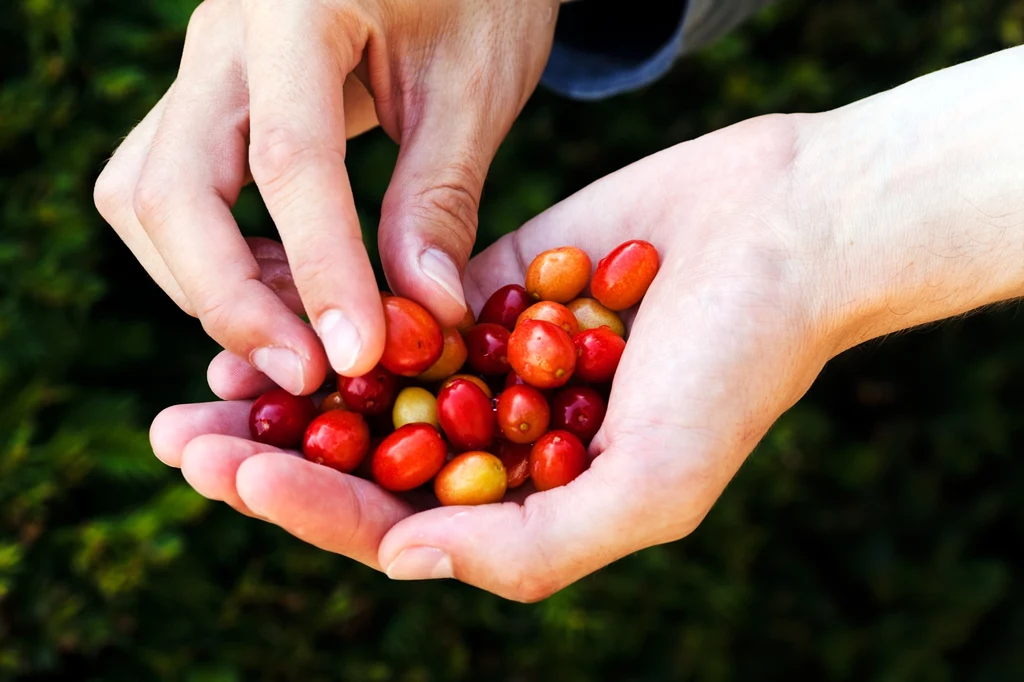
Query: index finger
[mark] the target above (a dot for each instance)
(297, 157)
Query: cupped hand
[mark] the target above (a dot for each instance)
(270, 92)
(730, 334)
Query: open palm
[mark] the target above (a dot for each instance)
(730, 335)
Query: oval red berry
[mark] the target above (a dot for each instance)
(624, 275)
(371, 394)
(598, 352)
(579, 410)
(338, 439)
(408, 458)
(556, 459)
(412, 337)
(505, 305)
(279, 418)
(487, 346)
(523, 414)
(466, 415)
(542, 354)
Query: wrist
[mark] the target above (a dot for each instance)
(919, 198)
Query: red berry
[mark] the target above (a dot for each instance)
(557, 458)
(370, 394)
(487, 344)
(556, 313)
(334, 401)
(466, 415)
(523, 414)
(505, 305)
(578, 410)
(409, 457)
(412, 339)
(598, 352)
(624, 275)
(279, 418)
(516, 459)
(542, 354)
(338, 439)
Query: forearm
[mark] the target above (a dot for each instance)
(921, 189)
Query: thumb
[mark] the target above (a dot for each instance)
(429, 214)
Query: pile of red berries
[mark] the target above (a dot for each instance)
(540, 358)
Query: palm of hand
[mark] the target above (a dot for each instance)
(724, 342)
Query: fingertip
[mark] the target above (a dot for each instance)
(353, 339)
(232, 378)
(166, 440)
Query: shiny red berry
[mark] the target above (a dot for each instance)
(487, 344)
(279, 418)
(466, 415)
(556, 459)
(523, 414)
(542, 354)
(598, 352)
(578, 410)
(409, 457)
(516, 458)
(505, 305)
(338, 439)
(372, 393)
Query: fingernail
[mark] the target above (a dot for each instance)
(341, 340)
(442, 271)
(281, 365)
(420, 563)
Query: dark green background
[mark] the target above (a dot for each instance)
(873, 535)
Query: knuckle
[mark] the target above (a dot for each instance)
(451, 207)
(215, 314)
(203, 17)
(151, 199)
(111, 192)
(277, 152)
(318, 266)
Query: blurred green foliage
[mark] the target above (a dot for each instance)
(870, 536)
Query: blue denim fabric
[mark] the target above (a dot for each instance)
(590, 75)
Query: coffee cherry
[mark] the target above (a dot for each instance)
(487, 344)
(408, 458)
(556, 459)
(542, 354)
(624, 275)
(523, 414)
(279, 418)
(471, 478)
(415, 405)
(590, 314)
(370, 394)
(466, 415)
(516, 459)
(467, 321)
(412, 339)
(453, 357)
(556, 313)
(480, 383)
(334, 401)
(558, 274)
(338, 439)
(505, 305)
(598, 352)
(578, 410)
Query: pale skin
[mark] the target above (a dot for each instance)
(270, 92)
(786, 240)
